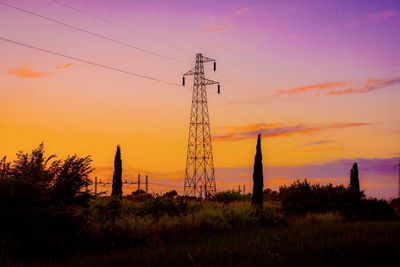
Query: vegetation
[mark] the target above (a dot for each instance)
(117, 176)
(302, 197)
(354, 180)
(258, 178)
(49, 215)
(345, 244)
(229, 197)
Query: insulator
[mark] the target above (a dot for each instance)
(215, 65)
(183, 81)
(219, 89)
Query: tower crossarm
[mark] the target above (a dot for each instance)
(209, 82)
(190, 72)
(207, 59)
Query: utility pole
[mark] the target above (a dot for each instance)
(95, 185)
(138, 183)
(199, 173)
(398, 186)
(239, 189)
(147, 183)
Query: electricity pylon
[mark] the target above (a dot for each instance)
(200, 174)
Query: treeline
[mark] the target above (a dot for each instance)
(47, 208)
(37, 193)
(301, 198)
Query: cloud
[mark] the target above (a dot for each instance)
(313, 87)
(319, 142)
(242, 11)
(26, 72)
(65, 66)
(386, 14)
(342, 88)
(278, 130)
(369, 85)
(216, 28)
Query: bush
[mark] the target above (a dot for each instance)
(395, 204)
(373, 209)
(302, 197)
(321, 218)
(160, 206)
(271, 195)
(228, 197)
(36, 193)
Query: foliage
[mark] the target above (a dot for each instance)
(228, 197)
(72, 180)
(354, 180)
(258, 178)
(171, 194)
(395, 204)
(302, 197)
(271, 195)
(117, 176)
(344, 244)
(373, 209)
(320, 218)
(35, 194)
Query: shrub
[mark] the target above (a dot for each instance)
(372, 209)
(36, 193)
(228, 197)
(159, 206)
(270, 195)
(395, 204)
(302, 197)
(321, 218)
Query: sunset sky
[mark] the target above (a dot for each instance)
(319, 79)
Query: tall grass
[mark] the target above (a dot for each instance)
(342, 244)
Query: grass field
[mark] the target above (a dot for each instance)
(307, 243)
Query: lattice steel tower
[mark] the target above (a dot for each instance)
(200, 174)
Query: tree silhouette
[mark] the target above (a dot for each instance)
(72, 180)
(117, 176)
(258, 179)
(354, 181)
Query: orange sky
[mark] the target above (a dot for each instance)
(321, 93)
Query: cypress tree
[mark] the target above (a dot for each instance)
(258, 179)
(117, 176)
(354, 181)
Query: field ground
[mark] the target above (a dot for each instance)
(304, 244)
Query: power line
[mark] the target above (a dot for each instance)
(255, 99)
(123, 44)
(87, 61)
(126, 44)
(92, 33)
(99, 65)
(119, 25)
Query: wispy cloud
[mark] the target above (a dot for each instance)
(64, 66)
(341, 88)
(319, 142)
(242, 11)
(216, 28)
(369, 85)
(279, 130)
(26, 72)
(386, 14)
(312, 87)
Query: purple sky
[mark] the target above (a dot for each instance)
(320, 78)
